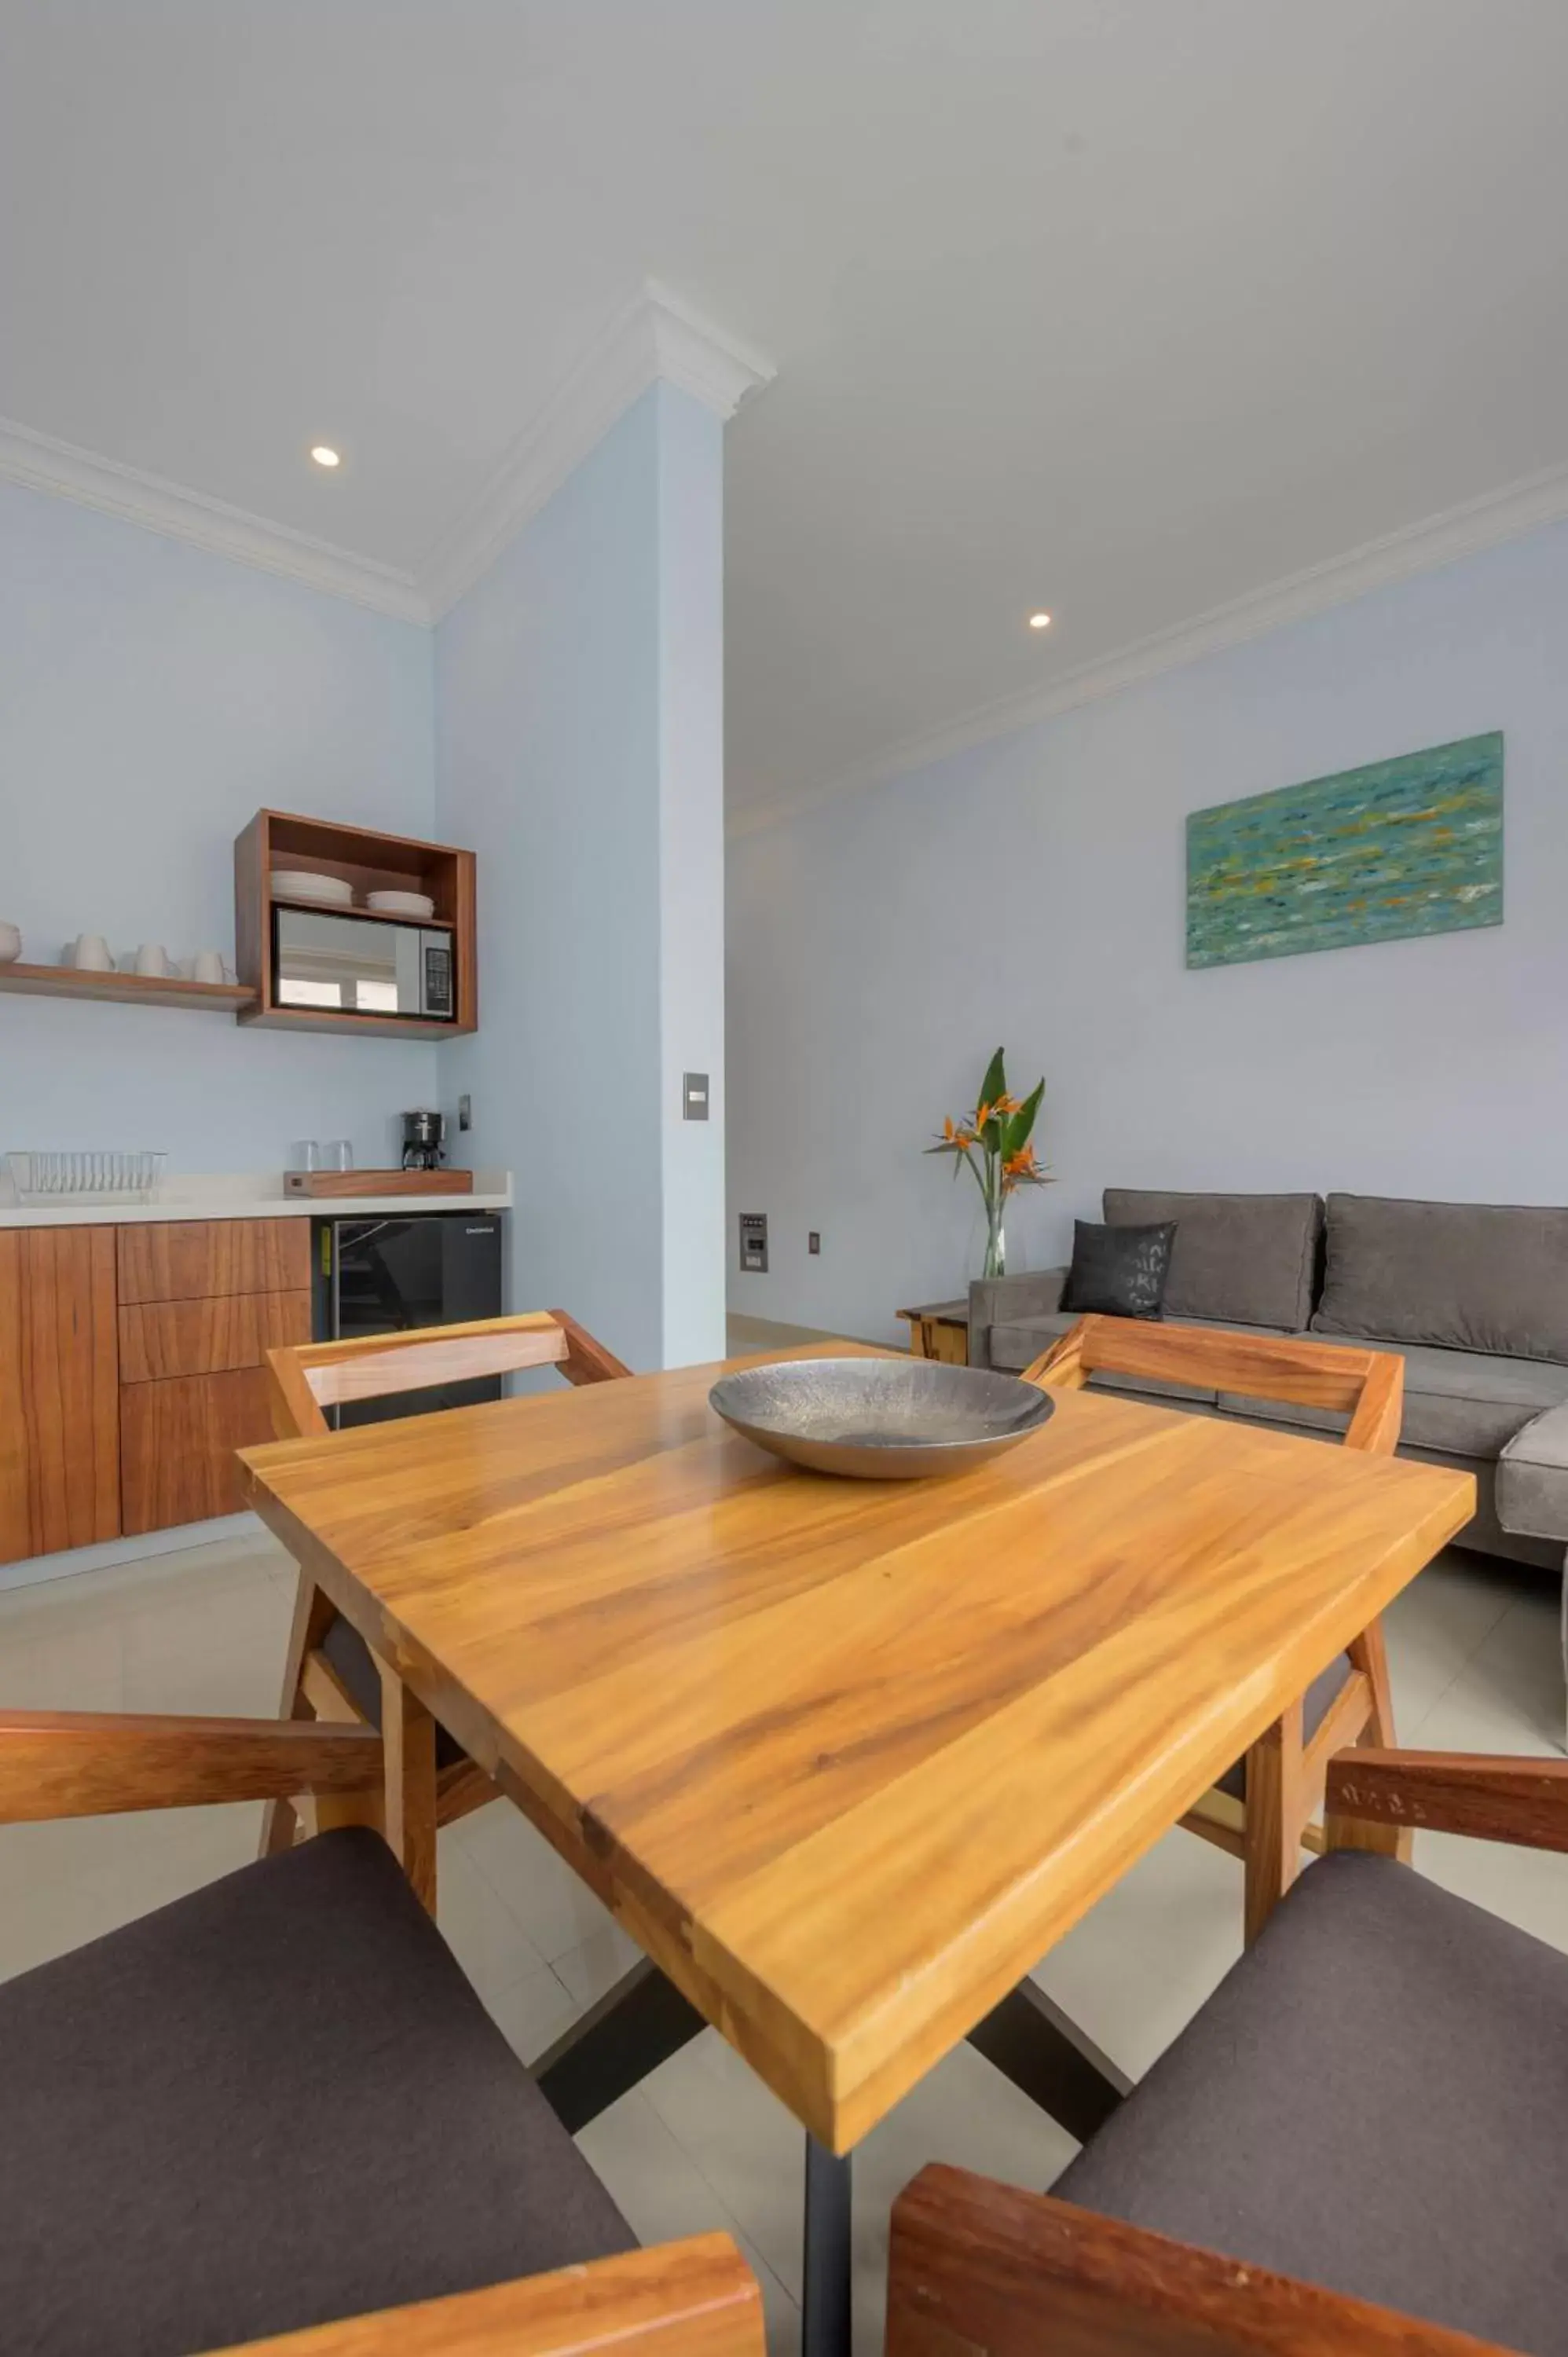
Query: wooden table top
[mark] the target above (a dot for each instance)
(847, 1757)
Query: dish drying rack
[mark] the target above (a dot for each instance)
(86, 1177)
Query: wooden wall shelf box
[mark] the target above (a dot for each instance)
(370, 863)
(129, 989)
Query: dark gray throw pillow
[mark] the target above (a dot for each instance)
(1118, 1272)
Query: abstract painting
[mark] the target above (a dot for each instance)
(1375, 854)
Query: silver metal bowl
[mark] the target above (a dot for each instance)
(880, 1419)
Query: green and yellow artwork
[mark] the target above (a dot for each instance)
(1375, 854)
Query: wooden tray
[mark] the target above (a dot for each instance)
(378, 1182)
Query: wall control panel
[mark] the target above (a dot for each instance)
(754, 1241)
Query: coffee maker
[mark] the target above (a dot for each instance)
(424, 1141)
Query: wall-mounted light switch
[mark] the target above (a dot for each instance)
(465, 1113)
(813, 1241)
(694, 1097)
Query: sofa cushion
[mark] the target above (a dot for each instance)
(1373, 2100)
(1237, 1260)
(1118, 1272)
(274, 2102)
(1533, 1479)
(1456, 1402)
(1472, 1277)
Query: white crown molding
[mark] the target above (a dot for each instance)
(650, 337)
(1459, 531)
(43, 464)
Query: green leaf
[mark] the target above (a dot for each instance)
(1023, 1121)
(995, 1081)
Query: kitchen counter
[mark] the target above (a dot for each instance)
(251, 1195)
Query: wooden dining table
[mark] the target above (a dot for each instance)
(845, 1758)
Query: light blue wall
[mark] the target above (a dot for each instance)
(572, 682)
(1031, 891)
(152, 698)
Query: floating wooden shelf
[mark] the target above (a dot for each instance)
(129, 989)
(370, 863)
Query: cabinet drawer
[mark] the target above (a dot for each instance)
(59, 1465)
(196, 1260)
(178, 1440)
(159, 1338)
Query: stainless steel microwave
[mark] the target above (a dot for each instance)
(361, 965)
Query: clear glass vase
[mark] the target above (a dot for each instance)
(995, 1260)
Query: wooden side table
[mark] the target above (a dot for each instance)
(940, 1330)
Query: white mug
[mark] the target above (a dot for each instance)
(10, 943)
(152, 959)
(207, 965)
(93, 954)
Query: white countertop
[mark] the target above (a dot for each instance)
(247, 1195)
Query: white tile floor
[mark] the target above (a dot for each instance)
(701, 2144)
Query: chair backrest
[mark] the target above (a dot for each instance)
(974, 2265)
(307, 1377)
(1367, 1385)
(695, 2299)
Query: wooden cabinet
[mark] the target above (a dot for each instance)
(177, 1438)
(59, 1476)
(201, 1303)
(205, 1259)
(160, 1339)
(132, 1365)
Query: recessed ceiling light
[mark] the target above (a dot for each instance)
(325, 457)
(1039, 622)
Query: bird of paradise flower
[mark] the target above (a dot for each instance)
(993, 1140)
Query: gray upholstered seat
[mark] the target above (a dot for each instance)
(271, 2103)
(1376, 2099)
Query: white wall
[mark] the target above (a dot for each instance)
(152, 698)
(577, 700)
(1031, 891)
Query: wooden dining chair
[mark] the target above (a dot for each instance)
(1264, 1810)
(330, 1673)
(1354, 2149)
(277, 2102)
(692, 2298)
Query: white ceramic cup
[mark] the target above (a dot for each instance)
(207, 965)
(10, 943)
(152, 959)
(93, 954)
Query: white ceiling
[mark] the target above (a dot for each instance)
(1128, 308)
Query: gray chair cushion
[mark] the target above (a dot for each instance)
(1237, 1260)
(1533, 1479)
(274, 2102)
(1472, 1277)
(1376, 2100)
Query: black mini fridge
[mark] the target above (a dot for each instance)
(387, 1275)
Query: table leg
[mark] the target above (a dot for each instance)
(1043, 2052)
(633, 2026)
(408, 1740)
(827, 2301)
(312, 1618)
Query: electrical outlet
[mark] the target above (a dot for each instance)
(465, 1113)
(813, 1241)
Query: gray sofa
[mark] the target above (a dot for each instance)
(1473, 1297)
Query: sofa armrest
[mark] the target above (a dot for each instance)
(1533, 1479)
(1035, 1293)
